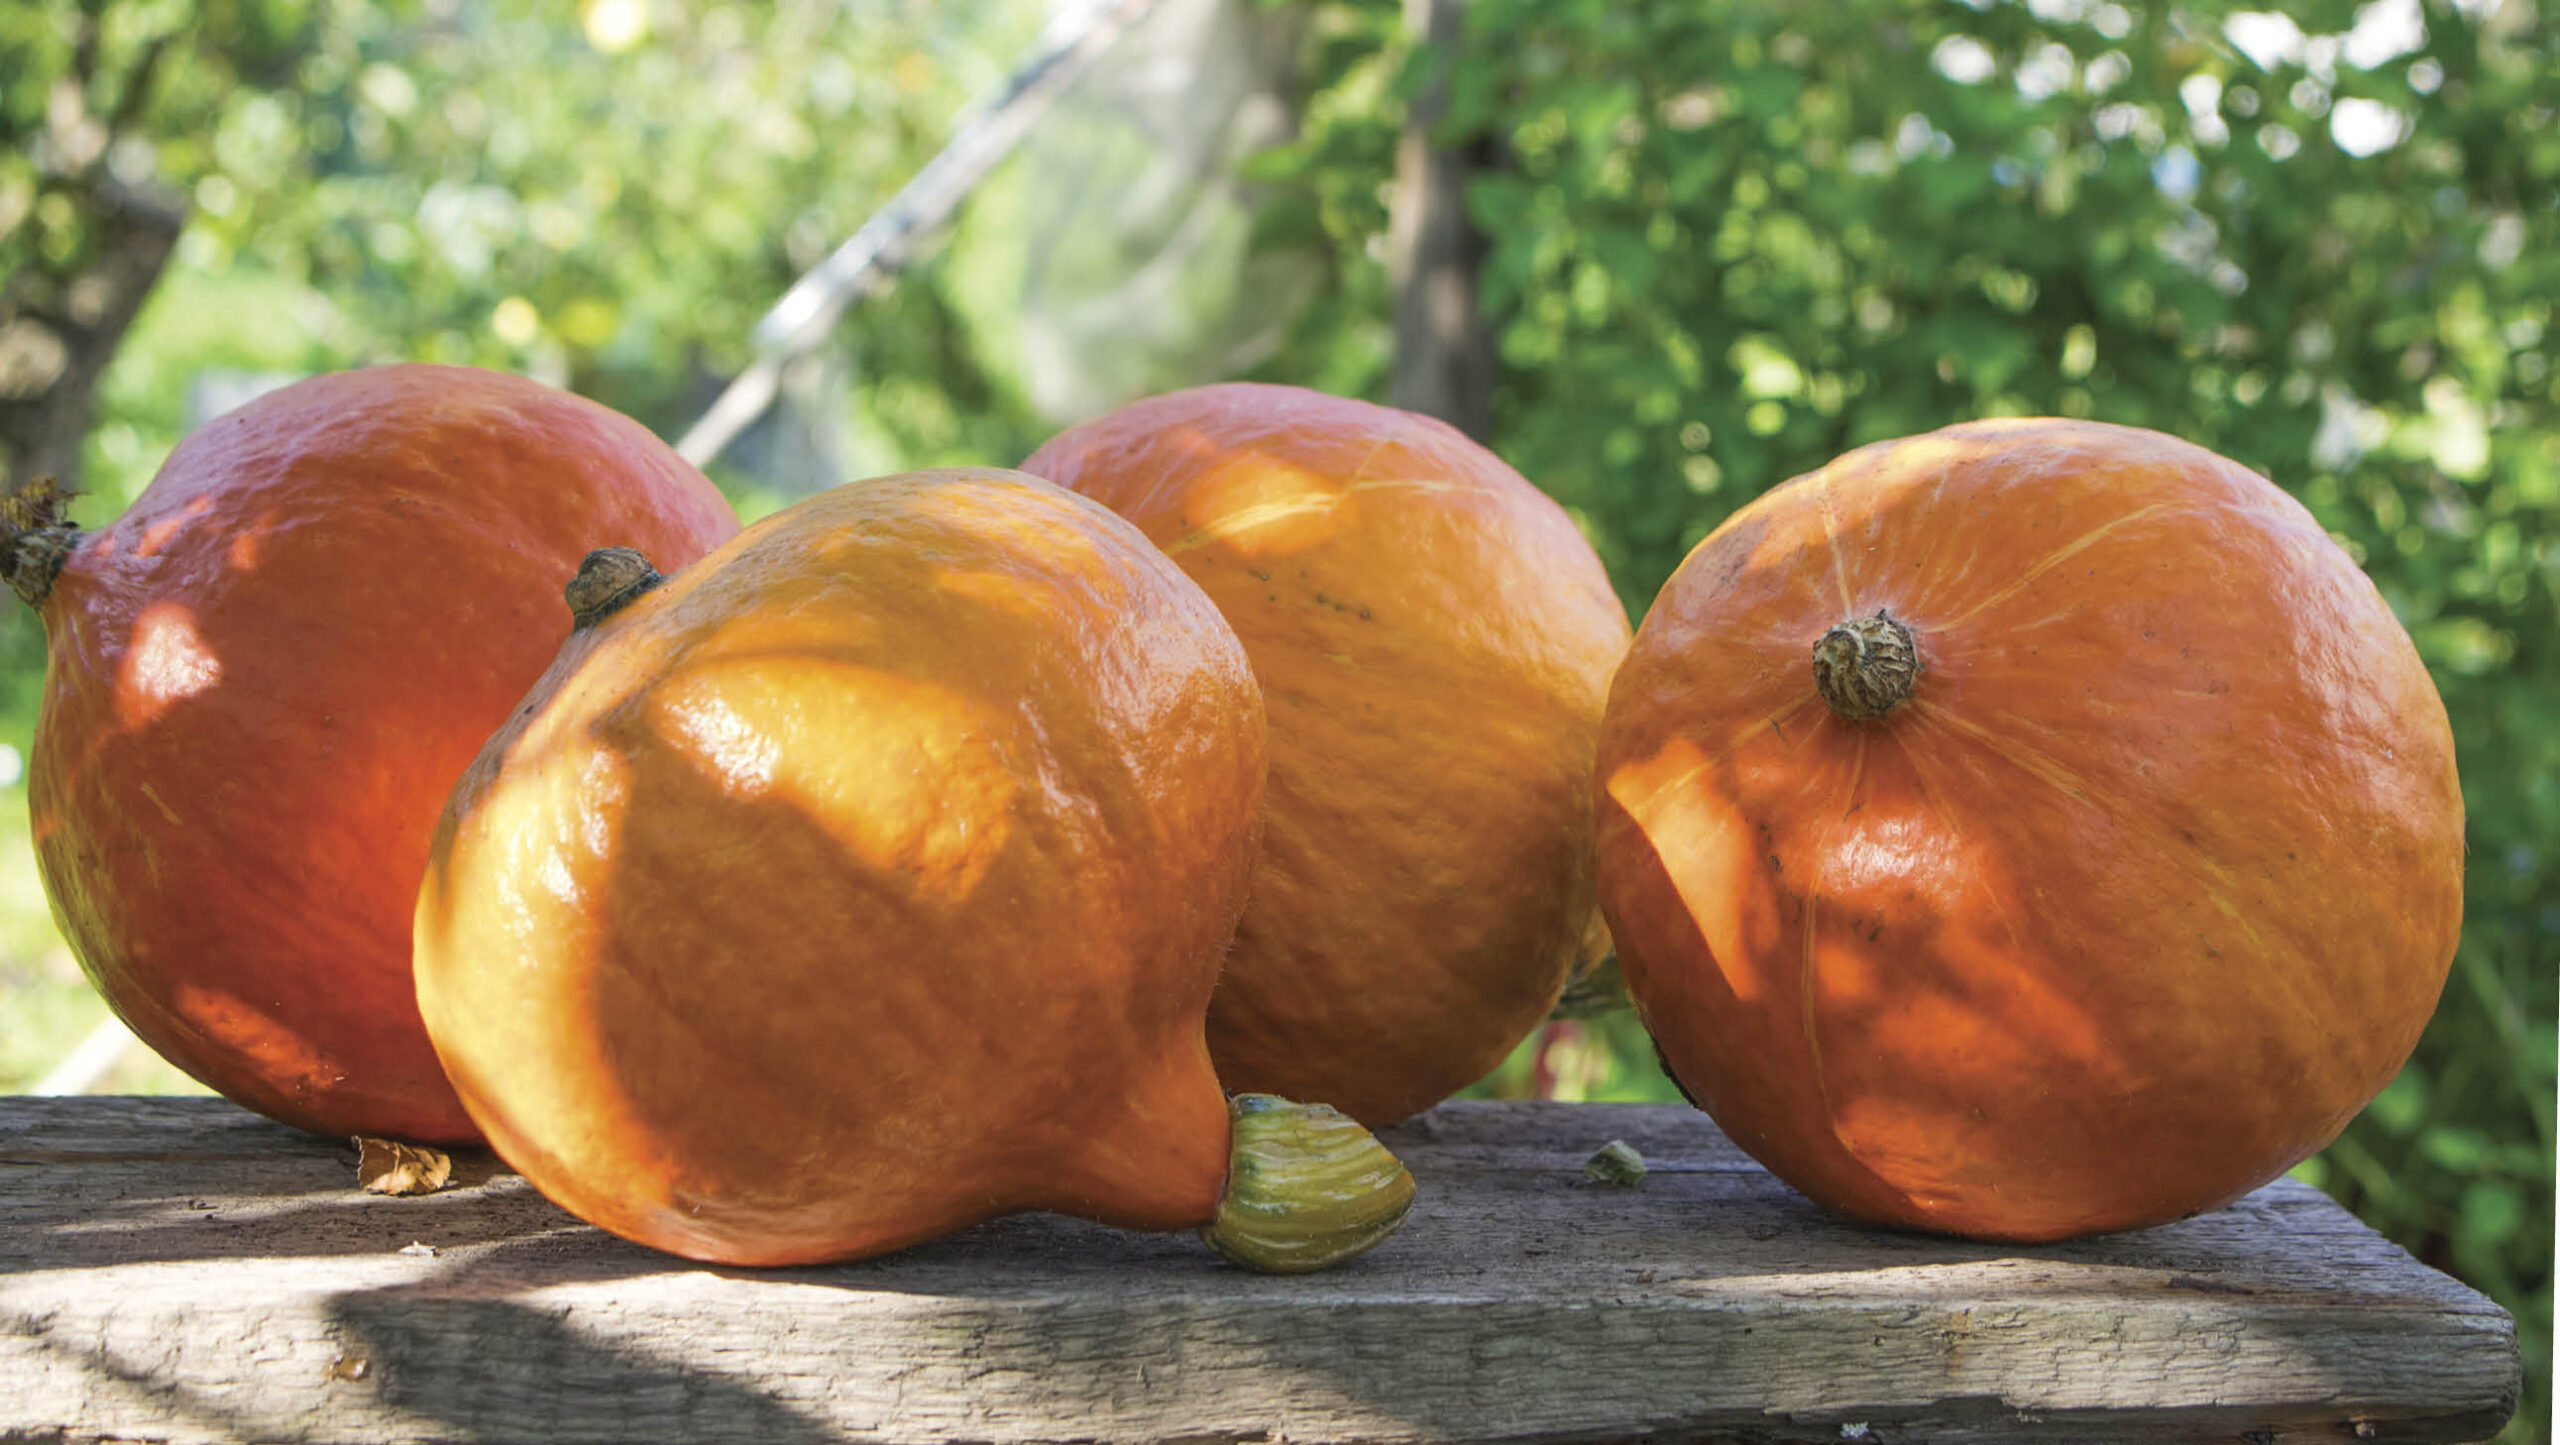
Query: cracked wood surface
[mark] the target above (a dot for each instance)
(178, 1270)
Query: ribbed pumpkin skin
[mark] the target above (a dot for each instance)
(1434, 641)
(863, 881)
(265, 677)
(2151, 885)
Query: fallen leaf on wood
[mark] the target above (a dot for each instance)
(387, 1166)
(1617, 1163)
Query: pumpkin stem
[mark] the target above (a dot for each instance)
(1867, 666)
(35, 537)
(608, 581)
(1306, 1188)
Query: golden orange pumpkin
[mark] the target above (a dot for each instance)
(2029, 829)
(263, 680)
(1434, 640)
(863, 881)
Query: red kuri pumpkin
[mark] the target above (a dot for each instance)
(1434, 640)
(2029, 829)
(263, 680)
(868, 879)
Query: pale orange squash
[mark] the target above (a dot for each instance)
(869, 878)
(1434, 640)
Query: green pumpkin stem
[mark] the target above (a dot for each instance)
(1306, 1188)
(36, 536)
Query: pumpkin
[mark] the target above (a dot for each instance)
(1434, 640)
(2030, 829)
(263, 680)
(868, 879)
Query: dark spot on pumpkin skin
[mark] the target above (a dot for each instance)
(1775, 866)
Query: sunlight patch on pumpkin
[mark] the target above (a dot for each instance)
(1027, 596)
(731, 748)
(249, 548)
(1261, 506)
(1258, 505)
(168, 661)
(1706, 850)
(1986, 1023)
(157, 537)
(237, 1028)
(907, 776)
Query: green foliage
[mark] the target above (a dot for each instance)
(611, 206)
(1730, 240)
(604, 197)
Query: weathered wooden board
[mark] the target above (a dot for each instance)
(178, 1270)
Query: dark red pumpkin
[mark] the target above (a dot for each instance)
(263, 680)
(2029, 829)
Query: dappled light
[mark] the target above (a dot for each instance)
(232, 1022)
(167, 662)
(1707, 853)
(908, 777)
(1691, 251)
(249, 546)
(157, 536)
(1257, 507)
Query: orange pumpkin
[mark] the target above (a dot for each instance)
(2029, 829)
(264, 678)
(863, 881)
(1434, 640)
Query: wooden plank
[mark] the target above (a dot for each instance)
(176, 1270)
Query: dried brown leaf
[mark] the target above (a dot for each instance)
(387, 1166)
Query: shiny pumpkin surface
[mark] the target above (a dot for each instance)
(2146, 889)
(265, 677)
(863, 881)
(1434, 640)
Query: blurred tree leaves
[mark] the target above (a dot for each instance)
(603, 195)
(606, 197)
(1732, 239)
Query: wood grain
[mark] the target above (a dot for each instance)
(177, 1270)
